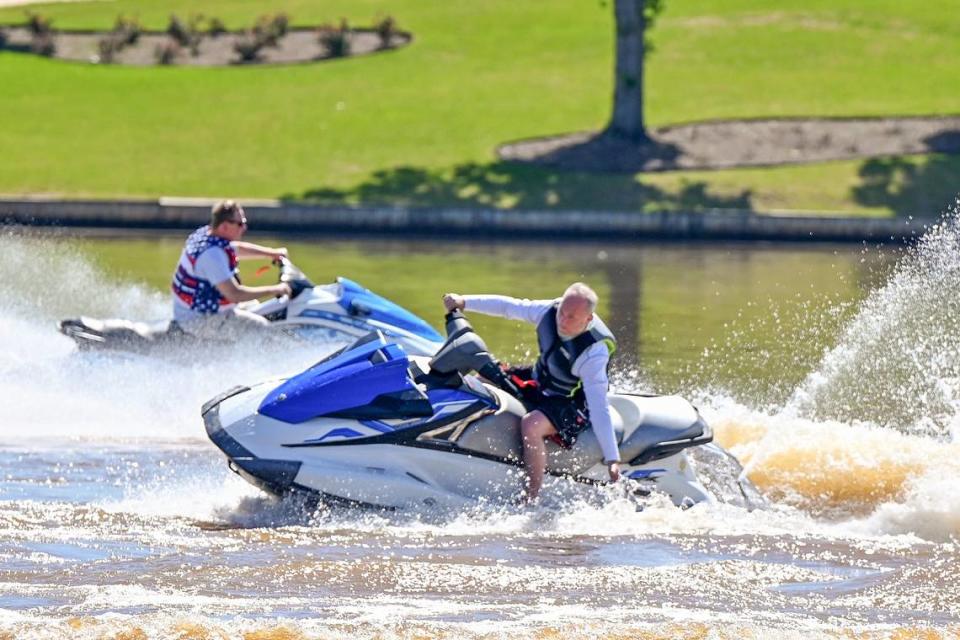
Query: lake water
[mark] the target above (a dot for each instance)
(832, 372)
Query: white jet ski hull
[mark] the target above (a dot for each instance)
(425, 472)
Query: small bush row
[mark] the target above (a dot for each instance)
(267, 31)
(336, 39)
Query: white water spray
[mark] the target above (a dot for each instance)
(51, 392)
(897, 364)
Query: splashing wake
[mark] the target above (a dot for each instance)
(897, 363)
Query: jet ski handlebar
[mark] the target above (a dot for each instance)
(464, 351)
(291, 275)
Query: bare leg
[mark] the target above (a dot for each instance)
(534, 428)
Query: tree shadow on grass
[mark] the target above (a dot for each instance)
(913, 186)
(520, 186)
(595, 152)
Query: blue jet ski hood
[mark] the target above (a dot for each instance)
(367, 381)
(359, 301)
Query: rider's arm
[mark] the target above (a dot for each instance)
(247, 250)
(236, 292)
(506, 307)
(591, 368)
(214, 266)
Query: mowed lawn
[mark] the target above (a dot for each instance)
(420, 125)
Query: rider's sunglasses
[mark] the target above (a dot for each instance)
(242, 222)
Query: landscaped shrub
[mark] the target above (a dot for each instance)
(281, 24)
(167, 52)
(127, 30)
(270, 28)
(186, 34)
(110, 46)
(38, 24)
(216, 27)
(177, 29)
(386, 29)
(336, 40)
(3, 38)
(248, 45)
(195, 29)
(42, 29)
(263, 32)
(42, 44)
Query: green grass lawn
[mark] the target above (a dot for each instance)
(420, 125)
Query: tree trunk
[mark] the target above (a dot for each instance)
(627, 120)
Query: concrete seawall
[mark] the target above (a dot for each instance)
(184, 213)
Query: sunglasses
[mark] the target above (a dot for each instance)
(242, 222)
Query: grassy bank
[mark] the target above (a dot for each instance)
(420, 124)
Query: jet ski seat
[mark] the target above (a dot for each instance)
(119, 332)
(498, 434)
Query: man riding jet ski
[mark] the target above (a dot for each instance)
(210, 303)
(566, 390)
(371, 425)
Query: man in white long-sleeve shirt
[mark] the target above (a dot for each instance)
(571, 372)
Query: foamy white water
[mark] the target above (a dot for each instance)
(119, 519)
(897, 363)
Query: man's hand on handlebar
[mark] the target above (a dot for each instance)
(452, 301)
(283, 289)
(276, 255)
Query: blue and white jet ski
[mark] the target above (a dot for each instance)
(341, 310)
(371, 425)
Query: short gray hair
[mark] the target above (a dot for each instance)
(584, 292)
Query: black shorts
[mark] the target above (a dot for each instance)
(567, 415)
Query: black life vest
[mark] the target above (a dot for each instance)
(554, 368)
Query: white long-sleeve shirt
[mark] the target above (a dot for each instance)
(590, 366)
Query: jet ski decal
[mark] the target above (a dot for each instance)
(405, 436)
(338, 319)
(645, 474)
(377, 426)
(337, 433)
(441, 411)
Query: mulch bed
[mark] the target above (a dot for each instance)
(742, 143)
(299, 45)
